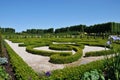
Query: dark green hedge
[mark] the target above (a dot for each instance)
(66, 59)
(45, 53)
(22, 45)
(60, 47)
(22, 70)
(75, 73)
(99, 53)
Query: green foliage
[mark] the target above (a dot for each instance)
(39, 31)
(7, 30)
(22, 70)
(3, 74)
(66, 59)
(22, 45)
(99, 53)
(112, 67)
(93, 75)
(1, 53)
(75, 73)
(60, 47)
(75, 28)
(45, 53)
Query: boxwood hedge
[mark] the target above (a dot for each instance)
(99, 53)
(21, 69)
(60, 47)
(75, 73)
(66, 59)
(45, 53)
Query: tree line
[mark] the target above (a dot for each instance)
(110, 27)
(39, 31)
(7, 30)
(76, 28)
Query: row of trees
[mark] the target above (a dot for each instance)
(110, 27)
(76, 28)
(39, 31)
(7, 30)
(115, 28)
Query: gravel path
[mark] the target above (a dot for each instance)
(85, 60)
(41, 63)
(37, 62)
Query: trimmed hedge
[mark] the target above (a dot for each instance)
(66, 59)
(45, 53)
(22, 70)
(75, 73)
(79, 45)
(99, 53)
(60, 47)
(58, 57)
(21, 45)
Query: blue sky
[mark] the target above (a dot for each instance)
(44, 14)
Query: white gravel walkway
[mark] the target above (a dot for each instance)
(37, 62)
(85, 60)
(41, 63)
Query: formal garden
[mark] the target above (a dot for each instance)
(59, 56)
